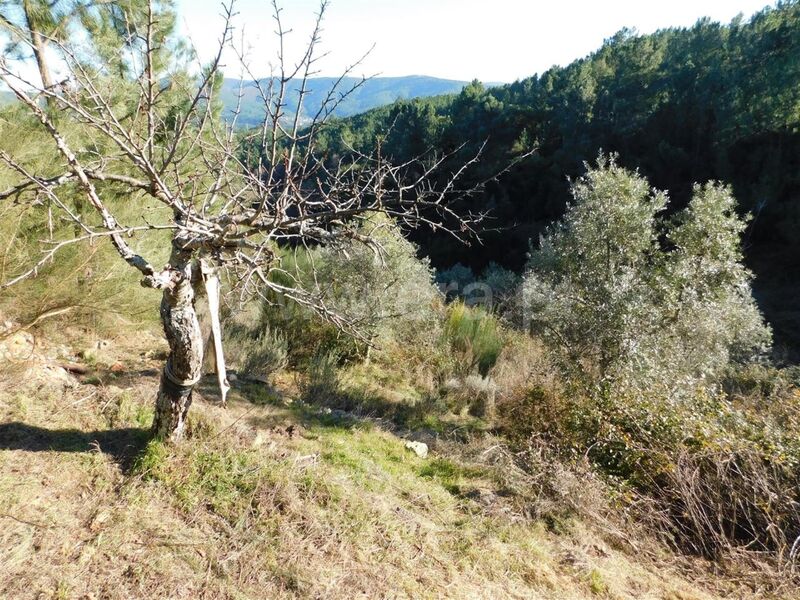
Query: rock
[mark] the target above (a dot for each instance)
(99, 519)
(17, 346)
(427, 436)
(117, 367)
(50, 376)
(89, 355)
(418, 448)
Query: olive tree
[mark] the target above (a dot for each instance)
(138, 122)
(631, 298)
(389, 294)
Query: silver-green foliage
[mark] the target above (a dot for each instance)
(253, 346)
(386, 290)
(635, 300)
(262, 353)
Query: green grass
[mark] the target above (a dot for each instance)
(277, 499)
(476, 335)
(451, 476)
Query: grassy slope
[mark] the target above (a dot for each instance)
(271, 499)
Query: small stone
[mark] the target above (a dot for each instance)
(426, 436)
(117, 367)
(418, 448)
(18, 345)
(53, 376)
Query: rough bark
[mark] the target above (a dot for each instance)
(183, 368)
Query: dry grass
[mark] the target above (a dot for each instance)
(277, 499)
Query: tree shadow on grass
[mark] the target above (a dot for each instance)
(122, 445)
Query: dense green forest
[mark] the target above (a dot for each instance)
(711, 102)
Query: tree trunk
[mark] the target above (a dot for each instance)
(183, 368)
(39, 45)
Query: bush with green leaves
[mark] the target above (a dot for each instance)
(632, 300)
(322, 381)
(475, 338)
(385, 292)
(262, 354)
(653, 316)
(452, 281)
(709, 474)
(252, 346)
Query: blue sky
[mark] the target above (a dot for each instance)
(492, 40)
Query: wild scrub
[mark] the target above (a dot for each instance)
(385, 290)
(647, 317)
(632, 301)
(257, 350)
(474, 336)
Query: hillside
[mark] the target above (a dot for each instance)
(374, 92)
(682, 105)
(280, 363)
(280, 498)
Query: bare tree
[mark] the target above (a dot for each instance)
(229, 199)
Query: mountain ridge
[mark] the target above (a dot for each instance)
(372, 93)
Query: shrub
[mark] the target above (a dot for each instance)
(389, 292)
(493, 290)
(503, 284)
(632, 301)
(322, 382)
(473, 394)
(710, 473)
(452, 281)
(263, 354)
(475, 336)
(251, 345)
(388, 295)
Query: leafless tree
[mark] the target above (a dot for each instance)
(225, 209)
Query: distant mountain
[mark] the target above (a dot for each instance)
(374, 92)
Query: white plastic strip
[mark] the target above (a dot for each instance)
(211, 282)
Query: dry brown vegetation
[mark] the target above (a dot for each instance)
(279, 498)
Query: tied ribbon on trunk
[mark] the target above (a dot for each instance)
(211, 283)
